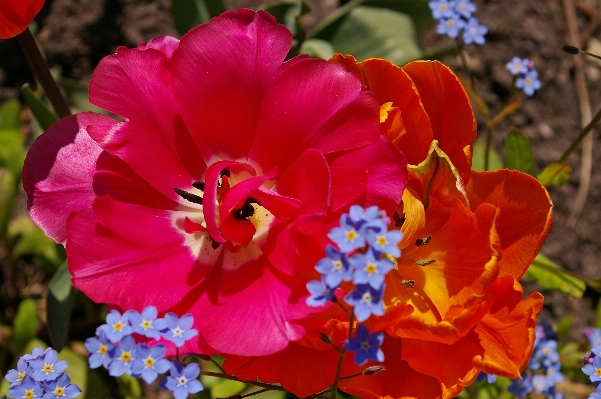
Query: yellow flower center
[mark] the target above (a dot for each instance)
(528, 81)
(337, 265)
(126, 357)
(103, 349)
(20, 377)
(351, 235)
(442, 7)
(28, 394)
(149, 361)
(47, 368)
(462, 5)
(59, 391)
(366, 297)
(118, 326)
(381, 240)
(598, 372)
(146, 324)
(450, 22)
(371, 268)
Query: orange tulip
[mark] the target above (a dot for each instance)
(454, 307)
(16, 15)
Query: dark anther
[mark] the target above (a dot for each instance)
(246, 211)
(425, 262)
(373, 370)
(214, 244)
(570, 49)
(408, 283)
(325, 338)
(398, 220)
(188, 196)
(422, 241)
(199, 185)
(225, 172)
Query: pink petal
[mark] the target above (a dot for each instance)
(313, 104)
(58, 172)
(133, 258)
(165, 44)
(221, 72)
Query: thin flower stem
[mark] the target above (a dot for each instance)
(351, 376)
(255, 383)
(349, 313)
(587, 129)
(459, 45)
(254, 393)
(487, 148)
(42, 73)
(341, 360)
(218, 365)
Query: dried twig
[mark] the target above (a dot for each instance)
(585, 115)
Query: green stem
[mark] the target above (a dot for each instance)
(583, 134)
(254, 393)
(255, 383)
(42, 73)
(459, 44)
(487, 148)
(341, 360)
(218, 365)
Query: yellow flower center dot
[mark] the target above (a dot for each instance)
(381, 240)
(450, 22)
(102, 350)
(462, 5)
(337, 265)
(443, 7)
(47, 368)
(371, 268)
(20, 377)
(28, 394)
(598, 372)
(118, 326)
(149, 361)
(146, 324)
(59, 391)
(528, 81)
(351, 235)
(126, 357)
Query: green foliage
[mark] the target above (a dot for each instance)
(59, 302)
(287, 13)
(31, 241)
(563, 327)
(25, 325)
(130, 386)
(495, 162)
(317, 48)
(226, 388)
(10, 118)
(552, 277)
(8, 192)
(189, 13)
(556, 174)
(368, 32)
(518, 153)
(78, 368)
(44, 115)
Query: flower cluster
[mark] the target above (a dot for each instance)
(592, 360)
(41, 374)
(543, 370)
(115, 348)
(526, 76)
(453, 16)
(364, 254)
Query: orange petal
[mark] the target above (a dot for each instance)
(449, 109)
(525, 214)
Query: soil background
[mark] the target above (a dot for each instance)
(76, 34)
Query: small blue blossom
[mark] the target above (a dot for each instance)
(594, 337)
(183, 381)
(178, 330)
(28, 388)
(369, 269)
(539, 383)
(473, 32)
(117, 326)
(146, 324)
(320, 292)
(366, 301)
(385, 241)
(365, 346)
(450, 26)
(465, 8)
(36, 353)
(547, 352)
(593, 370)
(553, 375)
(150, 362)
(528, 82)
(99, 348)
(61, 388)
(518, 66)
(348, 236)
(48, 367)
(122, 357)
(521, 388)
(595, 395)
(334, 267)
(490, 378)
(442, 8)
(16, 376)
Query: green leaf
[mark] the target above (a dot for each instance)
(552, 277)
(227, 388)
(31, 240)
(45, 116)
(557, 173)
(598, 315)
(12, 151)
(59, 302)
(494, 163)
(189, 13)
(317, 48)
(25, 325)
(564, 326)
(518, 153)
(8, 192)
(287, 11)
(130, 386)
(418, 10)
(10, 115)
(368, 32)
(77, 370)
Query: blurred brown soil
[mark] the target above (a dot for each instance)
(76, 34)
